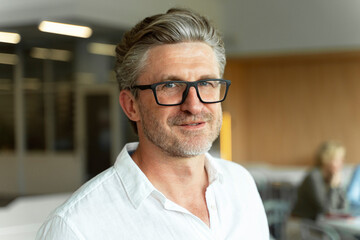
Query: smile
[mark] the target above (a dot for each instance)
(191, 124)
(196, 124)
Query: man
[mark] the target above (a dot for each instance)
(167, 186)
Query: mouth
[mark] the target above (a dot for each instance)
(192, 124)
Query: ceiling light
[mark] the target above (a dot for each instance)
(32, 84)
(102, 49)
(65, 29)
(8, 37)
(7, 58)
(51, 54)
(6, 84)
(60, 55)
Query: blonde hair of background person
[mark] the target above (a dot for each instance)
(330, 159)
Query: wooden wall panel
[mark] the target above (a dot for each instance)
(284, 107)
(236, 104)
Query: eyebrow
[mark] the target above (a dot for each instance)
(176, 78)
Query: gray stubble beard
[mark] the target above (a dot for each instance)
(171, 144)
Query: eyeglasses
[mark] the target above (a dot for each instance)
(172, 93)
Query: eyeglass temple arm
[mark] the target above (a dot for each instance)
(142, 87)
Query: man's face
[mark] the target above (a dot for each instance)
(188, 129)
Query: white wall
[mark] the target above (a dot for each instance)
(123, 13)
(23, 12)
(271, 26)
(253, 26)
(250, 26)
(43, 173)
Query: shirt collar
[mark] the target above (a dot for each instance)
(213, 171)
(137, 185)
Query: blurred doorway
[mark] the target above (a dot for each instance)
(98, 127)
(97, 107)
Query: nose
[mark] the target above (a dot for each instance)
(192, 103)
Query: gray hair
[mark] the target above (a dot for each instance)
(175, 26)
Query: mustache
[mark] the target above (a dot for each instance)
(182, 118)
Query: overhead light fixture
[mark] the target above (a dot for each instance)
(9, 37)
(85, 78)
(9, 59)
(32, 84)
(5, 84)
(65, 29)
(51, 54)
(102, 49)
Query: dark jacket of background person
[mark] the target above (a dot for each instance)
(315, 197)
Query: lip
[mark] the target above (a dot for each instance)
(193, 125)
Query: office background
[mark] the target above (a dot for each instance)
(294, 67)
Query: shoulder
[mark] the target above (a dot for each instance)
(312, 182)
(233, 172)
(87, 196)
(81, 207)
(94, 186)
(230, 167)
(56, 228)
(314, 174)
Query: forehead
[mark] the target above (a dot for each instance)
(195, 49)
(185, 60)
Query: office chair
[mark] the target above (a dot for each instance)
(310, 230)
(277, 212)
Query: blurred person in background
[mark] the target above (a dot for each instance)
(321, 192)
(167, 186)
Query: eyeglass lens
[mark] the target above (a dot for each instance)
(172, 93)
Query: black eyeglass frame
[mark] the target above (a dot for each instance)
(186, 91)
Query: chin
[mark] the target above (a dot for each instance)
(194, 150)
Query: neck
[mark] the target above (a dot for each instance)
(182, 180)
(172, 175)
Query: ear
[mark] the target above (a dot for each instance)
(129, 105)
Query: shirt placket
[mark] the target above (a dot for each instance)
(213, 212)
(199, 227)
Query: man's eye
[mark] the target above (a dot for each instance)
(169, 85)
(205, 84)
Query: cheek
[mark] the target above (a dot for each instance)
(339, 166)
(149, 98)
(216, 110)
(160, 114)
(212, 107)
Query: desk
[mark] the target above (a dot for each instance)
(21, 219)
(348, 225)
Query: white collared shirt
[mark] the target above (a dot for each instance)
(121, 203)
